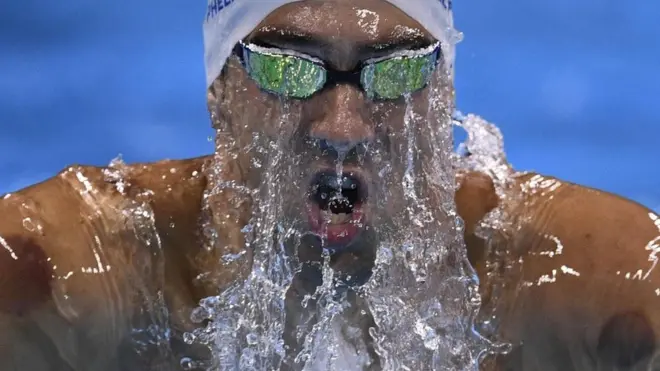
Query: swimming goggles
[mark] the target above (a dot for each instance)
(296, 75)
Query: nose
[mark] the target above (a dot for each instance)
(341, 123)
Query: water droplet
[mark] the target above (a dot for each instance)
(199, 314)
(29, 225)
(230, 258)
(252, 339)
(187, 363)
(189, 338)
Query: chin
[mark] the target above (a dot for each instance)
(352, 261)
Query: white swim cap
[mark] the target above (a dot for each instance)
(229, 21)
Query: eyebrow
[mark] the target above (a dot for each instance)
(313, 45)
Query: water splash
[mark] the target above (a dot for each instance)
(128, 294)
(247, 319)
(418, 309)
(483, 151)
(424, 295)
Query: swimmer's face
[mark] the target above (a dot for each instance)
(316, 79)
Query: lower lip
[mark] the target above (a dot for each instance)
(335, 234)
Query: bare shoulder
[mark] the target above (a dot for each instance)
(52, 227)
(71, 254)
(581, 287)
(592, 222)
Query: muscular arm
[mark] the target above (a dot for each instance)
(78, 255)
(572, 280)
(62, 273)
(578, 288)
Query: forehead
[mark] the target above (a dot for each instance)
(341, 25)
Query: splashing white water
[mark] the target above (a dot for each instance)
(418, 309)
(483, 151)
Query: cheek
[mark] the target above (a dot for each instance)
(257, 105)
(251, 89)
(252, 110)
(387, 116)
(396, 116)
(274, 115)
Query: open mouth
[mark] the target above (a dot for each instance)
(335, 207)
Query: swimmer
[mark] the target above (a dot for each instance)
(572, 284)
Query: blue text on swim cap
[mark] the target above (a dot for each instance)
(216, 6)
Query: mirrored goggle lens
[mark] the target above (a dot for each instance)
(396, 77)
(286, 75)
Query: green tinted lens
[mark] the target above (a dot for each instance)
(393, 78)
(284, 74)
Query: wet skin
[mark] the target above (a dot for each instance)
(337, 120)
(572, 285)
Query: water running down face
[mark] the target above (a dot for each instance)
(337, 88)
